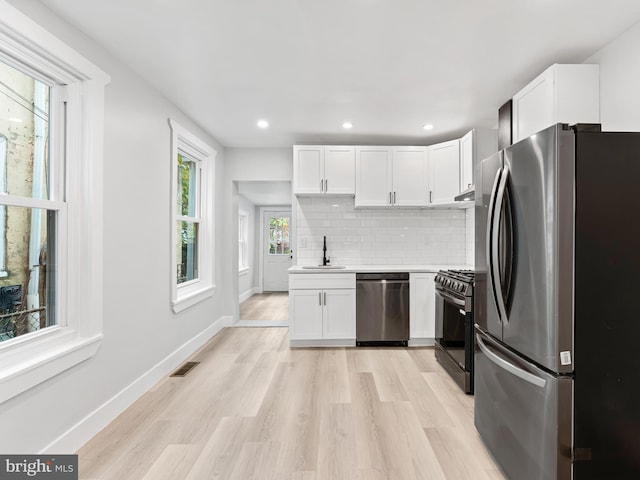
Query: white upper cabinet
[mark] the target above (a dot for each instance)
(373, 177)
(409, 177)
(466, 161)
(444, 178)
(560, 94)
(475, 146)
(319, 169)
(391, 176)
(340, 170)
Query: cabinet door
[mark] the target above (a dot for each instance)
(339, 321)
(533, 106)
(305, 312)
(445, 171)
(422, 291)
(340, 170)
(308, 169)
(373, 177)
(466, 160)
(410, 182)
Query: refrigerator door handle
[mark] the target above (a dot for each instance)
(495, 235)
(490, 226)
(509, 367)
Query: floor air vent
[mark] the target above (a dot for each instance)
(184, 369)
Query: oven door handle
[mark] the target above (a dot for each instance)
(451, 298)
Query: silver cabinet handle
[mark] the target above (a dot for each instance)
(430, 195)
(390, 203)
(394, 197)
(325, 298)
(326, 185)
(321, 185)
(509, 367)
(320, 298)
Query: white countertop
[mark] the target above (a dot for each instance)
(380, 268)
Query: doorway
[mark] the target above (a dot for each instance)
(264, 251)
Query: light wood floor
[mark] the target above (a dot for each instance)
(266, 306)
(256, 409)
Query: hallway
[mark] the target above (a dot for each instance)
(266, 306)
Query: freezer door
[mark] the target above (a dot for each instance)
(523, 414)
(485, 312)
(539, 177)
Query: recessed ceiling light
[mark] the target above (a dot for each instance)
(428, 126)
(262, 124)
(347, 125)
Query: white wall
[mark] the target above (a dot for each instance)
(470, 236)
(619, 82)
(377, 236)
(248, 280)
(140, 330)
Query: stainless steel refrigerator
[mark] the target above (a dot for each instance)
(557, 360)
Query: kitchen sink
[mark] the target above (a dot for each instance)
(323, 267)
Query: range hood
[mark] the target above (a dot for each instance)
(468, 194)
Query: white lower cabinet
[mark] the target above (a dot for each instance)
(422, 306)
(305, 314)
(319, 315)
(339, 314)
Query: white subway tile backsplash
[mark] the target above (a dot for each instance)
(393, 236)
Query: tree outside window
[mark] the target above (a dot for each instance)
(279, 236)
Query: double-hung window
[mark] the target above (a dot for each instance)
(193, 219)
(243, 241)
(51, 128)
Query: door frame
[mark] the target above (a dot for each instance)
(263, 210)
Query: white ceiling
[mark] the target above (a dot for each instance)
(389, 66)
(266, 194)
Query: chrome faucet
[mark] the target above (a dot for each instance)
(325, 260)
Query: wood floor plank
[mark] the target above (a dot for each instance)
(388, 383)
(337, 455)
(256, 409)
(174, 463)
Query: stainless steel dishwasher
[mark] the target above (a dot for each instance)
(382, 309)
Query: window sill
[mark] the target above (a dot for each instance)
(188, 300)
(243, 271)
(41, 357)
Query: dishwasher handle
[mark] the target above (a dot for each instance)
(377, 277)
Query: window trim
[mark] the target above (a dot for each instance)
(38, 356)
(3, 208)
(187, 294)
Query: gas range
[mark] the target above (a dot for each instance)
(454, 325)
(456, 281)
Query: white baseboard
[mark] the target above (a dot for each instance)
(349, 342)
(261, 323)
(248, 294)
(79, 434)
(422, 342)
